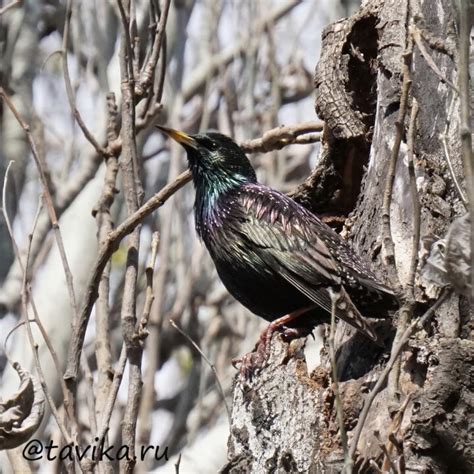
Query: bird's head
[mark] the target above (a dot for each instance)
(213, 157)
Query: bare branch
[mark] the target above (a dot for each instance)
(281, 136)
(465, 118)
(387, 241)
(408, 307)
(348, 463)
(149, 270)
(148, 70)
(415, 33)
(13, 4)
(112, 397)
(133, 192)
(48, 199)
(70, 93)
(106, 251)
(25, 293)
(105, 225)
(198, 79)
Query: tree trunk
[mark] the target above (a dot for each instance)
(284, 419)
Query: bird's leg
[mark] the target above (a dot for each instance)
(289, 334)
(254, 360)
(266, 336)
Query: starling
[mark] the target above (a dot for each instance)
(273, 255)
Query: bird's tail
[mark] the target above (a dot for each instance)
(348, 312)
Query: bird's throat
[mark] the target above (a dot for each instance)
(210, 191)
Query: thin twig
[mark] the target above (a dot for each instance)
(148, 71)
(13, 4)
(281, 136)
(48, 199)
(67, 398)
(465, 117)
(416, 34)
(447, 155)
(394, 429)
(156, 318)
(415, 200)
(90, 398)
(388, 458)
(177, 464)
(24, 307)
(437, 43)
(444, 140)
(112, 397)
(416, 324)
(149, 271)
(133, 192)
(335, 381)
(409, 305)
(387, 240)
(24, 269)
(211, 365)
(126, 42)
(105, 252)
(102, 214)
(69, 90)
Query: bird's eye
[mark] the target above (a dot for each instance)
(209, 144)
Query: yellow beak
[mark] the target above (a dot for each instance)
(180, 137)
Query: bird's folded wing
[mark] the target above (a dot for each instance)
(301, 241)
(344, 309)
(290, 245)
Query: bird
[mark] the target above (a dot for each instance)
(275, 257)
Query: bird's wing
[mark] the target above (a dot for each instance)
(297, 245)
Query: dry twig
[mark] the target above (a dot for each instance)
(148, 68)
(47, 197)
(407, 308)
(348, 463)
(111, 398)
(178, 462)
(25, 296)
(133, 192)
(102, 213)
(284, 135)
(387, 241)
(149, 270)
(9, 6)
(211, 365)
(416, 34)
(105, 252)
(444, 140)
(69, 90)
(465, 119)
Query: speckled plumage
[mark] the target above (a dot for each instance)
(272, 254)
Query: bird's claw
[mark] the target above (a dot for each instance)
(254, 361)
(250, 364)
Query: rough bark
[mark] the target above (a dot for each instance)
(284, 420)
